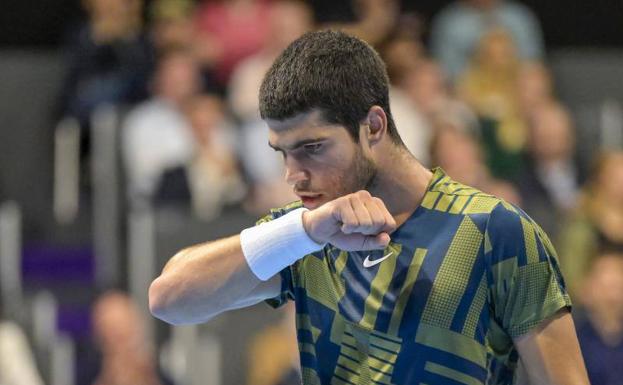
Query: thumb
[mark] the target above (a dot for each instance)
(356, 241)
(378, 241)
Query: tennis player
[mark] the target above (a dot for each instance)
(400, 275)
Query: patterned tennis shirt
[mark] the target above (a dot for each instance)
(464, 275)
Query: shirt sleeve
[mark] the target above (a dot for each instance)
(526, 285)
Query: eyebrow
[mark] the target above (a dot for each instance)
(296, 145)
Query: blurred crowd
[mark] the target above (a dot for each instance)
(475, 97)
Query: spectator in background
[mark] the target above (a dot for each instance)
(489, 86)
(596, 226)
(534, 88)
(426, 87)
(229, 31)
(124, 355)
(455, 148)
(425, 84)
(422, 94)
(288, 19)
(375, 20)
(600, 324)
(210, 179)
(265, 171)
(156, 134)
(172, 24)
(109, 59)
(173, 27)
(417, 88)
(402, 53)
(458, 28)
(549, 183)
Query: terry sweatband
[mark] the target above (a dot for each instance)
(272, 246)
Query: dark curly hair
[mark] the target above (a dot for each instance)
(336, 73)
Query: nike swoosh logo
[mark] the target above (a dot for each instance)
(368, 263)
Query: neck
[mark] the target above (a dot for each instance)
(402, 184)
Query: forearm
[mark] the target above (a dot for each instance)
(202, 281)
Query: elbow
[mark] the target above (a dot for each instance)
(158, 304)
(162, 305)
(166, 304)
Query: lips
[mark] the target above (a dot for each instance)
(301, 194)
(309, 199)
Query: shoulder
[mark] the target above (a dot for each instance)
(156, 112)
(506, 221)
(511, 233)
(140, 111)
(505, 214)
(453, 197)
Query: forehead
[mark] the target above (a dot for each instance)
(309, 125)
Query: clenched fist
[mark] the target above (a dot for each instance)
(353, 222)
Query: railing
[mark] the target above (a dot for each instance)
(104, 155)
(66, 199)
(56, 350)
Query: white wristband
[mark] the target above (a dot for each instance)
(274, 245)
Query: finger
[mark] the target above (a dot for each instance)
(347, 217)
(363, 216)
(378, 241)
(376, 214)
(358, 241)
(390, 222)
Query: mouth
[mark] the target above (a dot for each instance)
(309, 200)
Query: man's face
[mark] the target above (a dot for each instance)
(322, 161)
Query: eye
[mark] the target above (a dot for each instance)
(313, 148)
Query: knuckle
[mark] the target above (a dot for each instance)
(366, 223)
(378, 222)
(343, 203)
(348, 228)
(349, 199)
(363, 194)
(351, 222)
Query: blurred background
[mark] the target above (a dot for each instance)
(130, 129)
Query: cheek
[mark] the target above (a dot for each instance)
(331, 178)
(333, 181)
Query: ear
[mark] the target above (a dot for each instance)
(376, 122)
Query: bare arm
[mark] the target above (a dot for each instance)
(551, 353)
(205, 280)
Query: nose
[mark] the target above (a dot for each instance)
(294, 173)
